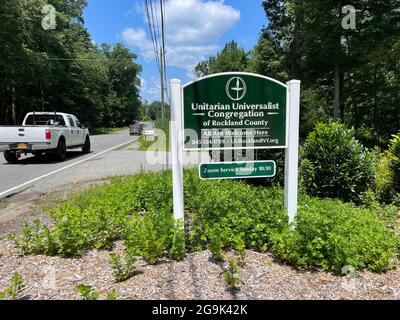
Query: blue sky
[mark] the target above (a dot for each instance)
(195, 30)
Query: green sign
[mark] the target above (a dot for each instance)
(234, 111)
(238, 170)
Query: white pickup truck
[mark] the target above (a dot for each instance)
(44, 133)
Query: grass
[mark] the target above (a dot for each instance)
(220, 215)
(164, 125)
(146, 144)
(101, 131)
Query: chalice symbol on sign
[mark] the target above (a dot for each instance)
(239, 91)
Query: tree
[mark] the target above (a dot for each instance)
(231, 58)
(267, 59)
(347, 74)
(61, 70)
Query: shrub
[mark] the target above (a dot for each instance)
(145, 241)
(87, 292)
(335, 164)
(113, 295)
(329, 234)
(123, 268)
(177, 251)
(384, 178)
(231, 276)
(215, 244)
(30, 239)
(220, 215)
(394, 154)
(16, 288)
(239, 246)
(237, 208)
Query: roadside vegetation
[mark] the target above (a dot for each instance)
(101, 131)
(146, 142)
(356, 227)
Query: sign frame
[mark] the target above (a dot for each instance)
(285, 86)
(291, 148)
(239, 177)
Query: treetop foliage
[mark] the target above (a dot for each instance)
(60, 69)
(351, 74)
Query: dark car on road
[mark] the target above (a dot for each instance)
(135, 130)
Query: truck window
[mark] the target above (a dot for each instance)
(78, 123)
(44, 120)
(71, 121)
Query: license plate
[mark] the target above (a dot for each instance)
(22, 146)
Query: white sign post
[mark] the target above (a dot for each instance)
(292, 151)
(177, 144)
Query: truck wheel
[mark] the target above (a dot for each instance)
(61, 151)
(86, 147)
(11, 157)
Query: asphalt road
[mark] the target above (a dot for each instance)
(112, 155)
(31, 168)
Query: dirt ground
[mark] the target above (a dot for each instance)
(197, 277)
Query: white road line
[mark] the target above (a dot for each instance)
(4, 193)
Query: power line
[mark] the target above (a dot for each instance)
(83, 59)
(150, 20)
(155, 12)
(164, 43)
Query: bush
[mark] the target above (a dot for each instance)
(237, 208)
(177, 250)
(123, 268)
(144, 240)
(215, 244)
(384, 179)
(394, 154)
(231, 276)
(16, 288)
(335, 165)
(330, 235)
(87, 292)
(220, 215)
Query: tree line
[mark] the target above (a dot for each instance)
(59, 68)
(351, 75)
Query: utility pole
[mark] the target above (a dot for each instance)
(162, 59)
(163, 76)
(162, 82)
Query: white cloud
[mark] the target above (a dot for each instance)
(150, 89)
(194, 28)
(197, 22)
(137, 39)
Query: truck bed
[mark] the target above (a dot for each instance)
(28, 134)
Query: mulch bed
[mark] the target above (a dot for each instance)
(197, 277)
